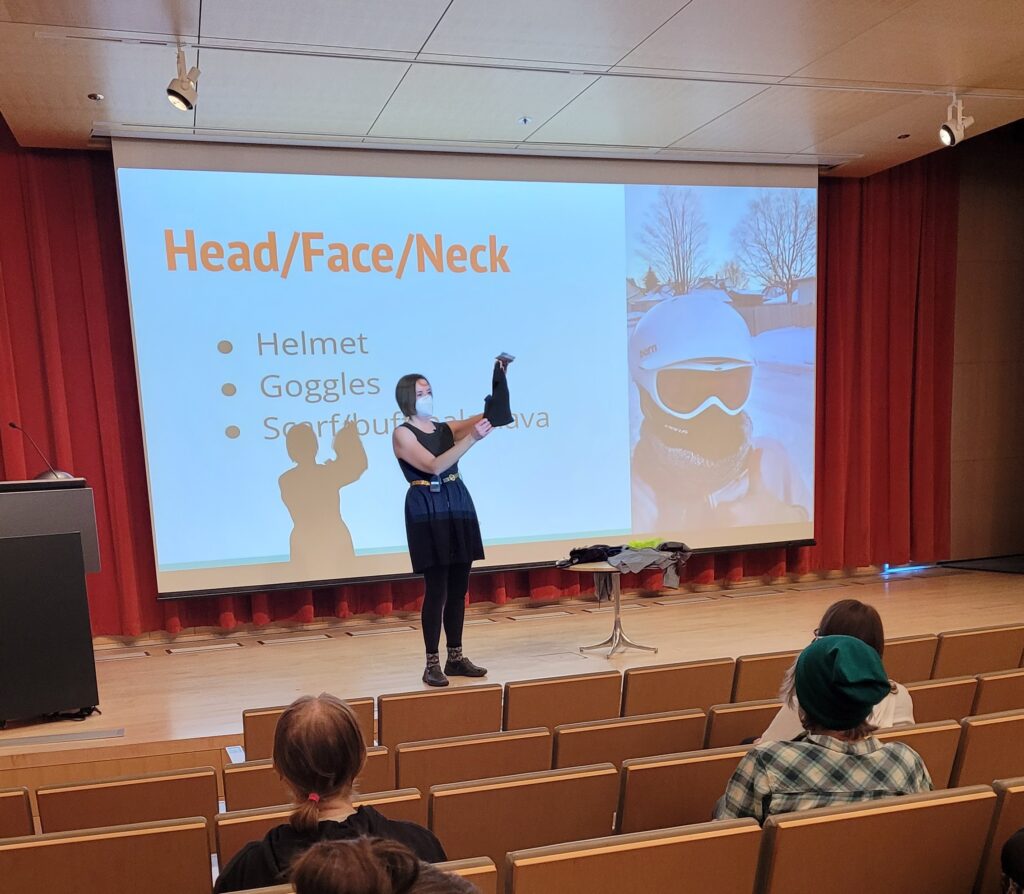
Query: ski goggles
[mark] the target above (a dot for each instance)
(689, 390)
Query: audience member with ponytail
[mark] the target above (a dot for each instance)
(371, 866)
(318, 753)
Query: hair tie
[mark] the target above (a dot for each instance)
(314, 797)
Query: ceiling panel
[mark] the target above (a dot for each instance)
(175, 17)
(453, 103)
(55, 76)
(942, 42)
(306, 94)
(380, 24)
(641, 111)
(598, 32)
(787, 119)
(769, 38)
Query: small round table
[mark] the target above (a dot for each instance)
(617, 640)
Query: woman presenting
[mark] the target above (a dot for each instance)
(440, 520)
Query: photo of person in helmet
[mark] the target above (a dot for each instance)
(698, 461)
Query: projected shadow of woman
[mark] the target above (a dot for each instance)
(320, 541)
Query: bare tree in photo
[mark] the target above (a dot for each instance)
(777, 239)
(732, 275)
(675, 237)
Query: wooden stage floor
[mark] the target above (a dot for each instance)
(164, 711)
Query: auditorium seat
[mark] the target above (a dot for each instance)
(235, 829)
(258, 725)
(720, 857)
(999, 691)
(437, 761)
(978, 650)
(616, 740)
(1009, 817)
(490, 817)
(675, 687)
(432, 714)
(990, 748)
(171, 794)
(731, 724)
(158, 858)
(942, 699)
(550, 701)
(15, 812)
(760, 676)
(929, 842)
(481, 871)
(674, 789)
(935, 742)
(910, 657)
(256, 783)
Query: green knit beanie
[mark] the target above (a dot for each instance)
(839, 679)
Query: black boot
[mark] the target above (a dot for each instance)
(463, 667)
(432, 676)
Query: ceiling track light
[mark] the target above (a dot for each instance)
(182, 91)
(952, 132)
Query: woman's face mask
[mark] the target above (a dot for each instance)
(425, 406)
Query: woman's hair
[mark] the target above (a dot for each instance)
(319, 751)
(370, 866)
(847, 617)
(405, 393)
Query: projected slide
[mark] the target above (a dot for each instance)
(663, 386)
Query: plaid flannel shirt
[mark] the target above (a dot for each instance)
(819, 771)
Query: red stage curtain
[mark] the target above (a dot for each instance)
(888, 248)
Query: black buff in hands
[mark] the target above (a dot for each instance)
(496, 406)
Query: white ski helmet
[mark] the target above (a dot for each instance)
(693, 352)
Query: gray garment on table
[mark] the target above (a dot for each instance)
(634, 560)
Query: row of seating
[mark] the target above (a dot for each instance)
(940, 841)
(552, 701)
(666, 778)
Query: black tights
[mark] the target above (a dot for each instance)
(444, 599)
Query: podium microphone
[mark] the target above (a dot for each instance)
(53, 473)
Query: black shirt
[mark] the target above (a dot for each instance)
(261, 864)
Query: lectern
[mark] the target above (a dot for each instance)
(47, 545)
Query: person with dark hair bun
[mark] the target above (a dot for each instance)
(370, 866)
(440, 520)
(847, 617)
(318, 753)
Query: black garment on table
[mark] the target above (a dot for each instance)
(441, 528)
(261, 864)
(497, 409)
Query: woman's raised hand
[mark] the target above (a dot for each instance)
(482, 429)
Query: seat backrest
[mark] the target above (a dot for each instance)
(719, 857)
(432, 714)
(910, 657)
(256, 783)
(990, 748)
(936, 743)
(978, 650)
(158, 858)
(235, 829)
(731, 724)
(258, 725)
(550, 701)
(674, 789)
(1009, 817)
(437, 761)
(941, 699)
(760, 676)
(927, 842)
(999, 691)
(596, 741)
(481, 871)
(675, 687)
(490, 817)
(172, 794)
(15, 813)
